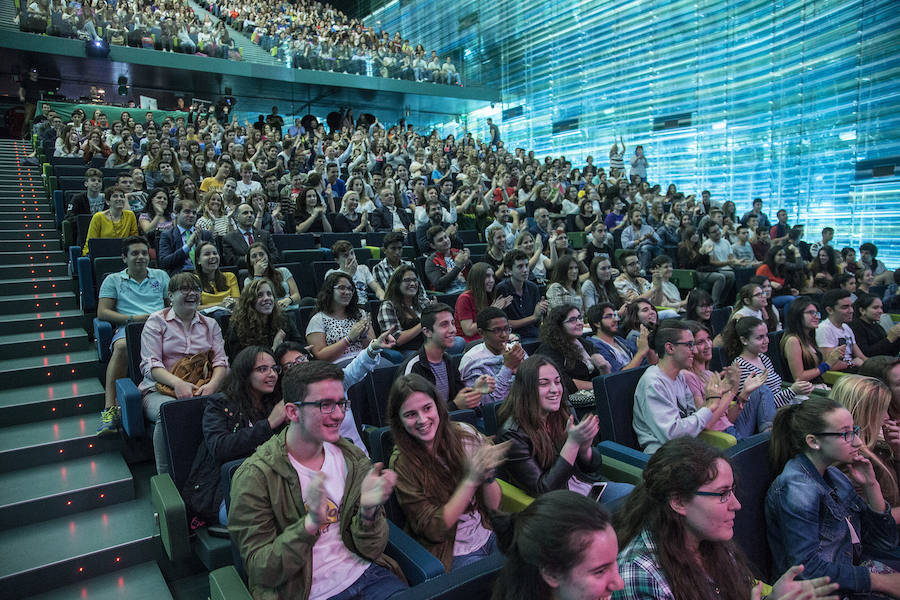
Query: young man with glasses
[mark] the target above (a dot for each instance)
(619, 353)
(497, 356)
(307, 508)
(664, 406)
(169, 335)
(630, 285)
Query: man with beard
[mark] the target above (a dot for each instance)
(620, 353)
(642, 239)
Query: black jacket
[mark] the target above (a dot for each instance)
(234, 248)
(418, 363)
(571, 369)
(382, 220)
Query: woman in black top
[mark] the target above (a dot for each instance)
(576, 357)
(870, 335)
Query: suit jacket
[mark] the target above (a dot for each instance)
(381, 219)
(234, 247)
(171, 255)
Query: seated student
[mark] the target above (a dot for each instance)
(576, 357)
(260, 265)
(835, 330)
(402, 308)
(258, 320)
(392, 251)
(802, 355)
(446, 268)
(433, 363)
(445, 475)
(867, 260)
(362, 278)
(699, 307)
(677, 532)
(887, 370)
(155, 217)
(846, 281)
(339, 330)
(690, 257)
(549, 451)
(775, 269)
(496, 249)
(172, 334)
(599, 287)
(327, 535)
(114, 222)
(498, 355)
(91, 200)
(868, 400)
(870, 335)
(348, 219)
(565, 284)
(750, 302)
(311, 213)
(630, 285)
(219, 289)
(663, 292)
(436, 216)
(814, 515)
(131, 295)
(527, 308)
(617, 351)
(770, 314)
(638, 314)
(664, 406)
(479, 294)
(178, 245)
(550, 557)
(746, 341)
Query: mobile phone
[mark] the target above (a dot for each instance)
(597, 491)
(842, 341)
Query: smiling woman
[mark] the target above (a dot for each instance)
(259, 320)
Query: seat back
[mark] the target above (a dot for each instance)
(753, 476)
(319, 268)
(380, 385)
(105, 247)
(774, 354)
(614, 396)
(181, 422)
(719, 359)
(719, 318)
(328, 239)
(294, 241)
(133, 333)
(473, 581)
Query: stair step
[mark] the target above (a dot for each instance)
(21, 257)
(38, 302)
(48, 321)
(51, 401)
(43, 343)
(51, 269)
(37, 285)
(46, 233)
(71, 549)
(52, 368)
(25, 245)
(63, 489)
(142, 582)
(45, 442)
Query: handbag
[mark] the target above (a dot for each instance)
(582, 399)
(196, 369)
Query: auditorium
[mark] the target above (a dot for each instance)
(370, 299)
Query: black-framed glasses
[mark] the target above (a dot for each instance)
(692, 344)
(263, 369)
(571, 320)
(847, 435)
(326, 407)
(723, 496)
(501, 330)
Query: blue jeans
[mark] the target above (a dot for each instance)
(781, 302)
(489, 547)
(757, 414)
(376, 583)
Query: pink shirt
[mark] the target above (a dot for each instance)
(697, 384)
(165, 340)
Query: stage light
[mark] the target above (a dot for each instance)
(96, 48)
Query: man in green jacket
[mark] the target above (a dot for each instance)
(306, 508)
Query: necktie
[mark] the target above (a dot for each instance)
(250, 238)
(185, 235)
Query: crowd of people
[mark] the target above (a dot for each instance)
(575, 281)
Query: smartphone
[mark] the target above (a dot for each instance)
(842, 341)
(597, 491)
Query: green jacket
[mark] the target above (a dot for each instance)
(266, 521)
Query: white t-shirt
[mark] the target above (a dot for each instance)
(361, 279)
(334, 329)
(334, 566)
(721, 250)
(828, 335)
(244, 190)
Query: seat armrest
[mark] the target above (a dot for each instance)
(171, 514)
(86, 283)
(103, 332)
(718, 439)
(130, 402)
(74, 255)
(514, 499)
(623, 453)
(59, 207)
(226, 584)
(417, 563)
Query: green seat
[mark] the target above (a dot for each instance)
(684, 279)
(577, 239)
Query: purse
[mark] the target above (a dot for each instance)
(196, 369)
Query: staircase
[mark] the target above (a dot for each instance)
(8, 13)
(251, 52)
(75, 521)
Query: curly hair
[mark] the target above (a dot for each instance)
(236, 387)
(253, 327)
(553, 333)
(325, 298)
(272, 274)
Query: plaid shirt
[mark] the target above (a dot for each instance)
(383, 271)
(643, 576)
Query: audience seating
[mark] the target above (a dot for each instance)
(719, 318)
(128, 397)
(684, 279)
(753, 476)
(774, 354)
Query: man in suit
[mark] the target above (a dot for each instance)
(178, 245)
(249, 231)
(389, 217)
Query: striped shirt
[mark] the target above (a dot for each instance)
(782, 397)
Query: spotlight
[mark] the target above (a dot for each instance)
(123, 85)
(96, 48)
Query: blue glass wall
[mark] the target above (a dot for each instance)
(783, 98)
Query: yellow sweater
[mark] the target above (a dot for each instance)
(103, 227)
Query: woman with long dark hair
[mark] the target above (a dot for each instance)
(676, 530)
(564, 288)
(258, 320)
(549, 450)
(599, 287)
(638, 313)
(480, 293)
(217, 288)
(689, 257)
(775, 268)
(259, 265)
(699, 307)
(799, 348)
(870, 335)
(814, 514)
(339, 330)
(561, 340)
(825, 263)
(402, 308)
(445, 474)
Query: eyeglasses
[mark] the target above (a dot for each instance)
(571, 320)
(409, 281)
(327, 406)
(811, 313)
(612, 316)
(501, 330)
(723, 496)
(344, 288)
(263, 369)
(847, 435)
(692, 344)
(189, 289)
(758, 294)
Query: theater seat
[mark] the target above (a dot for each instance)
(753, 475)
(128, 397)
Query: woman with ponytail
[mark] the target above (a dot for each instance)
(677, 529)
(561, 546)
(813, 512)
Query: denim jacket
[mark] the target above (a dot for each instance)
(807, 514)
